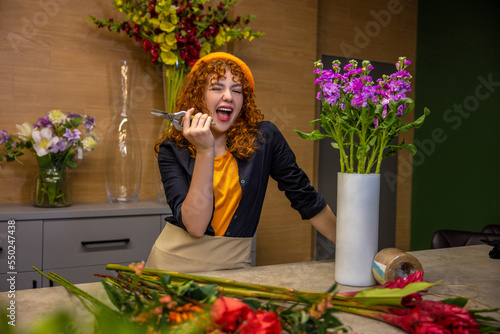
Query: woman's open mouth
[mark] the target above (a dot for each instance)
(224, 113)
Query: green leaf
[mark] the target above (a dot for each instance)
(314, 121)
(253, 303)
(60, 322)
(458, 301)
(72, 164)
(394, 148)
(75, 122)
(332, 288)
(315, 135)
(362, 149)
(52, 191)
(335, 145)
(388, 121)
(389, 296)
(165, 280)
(113, 295)
(44, 161)
(348, 127)
(418, 123)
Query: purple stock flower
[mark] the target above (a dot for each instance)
(4, 136)
(331, 93)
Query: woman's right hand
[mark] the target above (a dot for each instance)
(198, 205)
(197, 130)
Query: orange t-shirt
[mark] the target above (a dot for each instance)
(227, 192)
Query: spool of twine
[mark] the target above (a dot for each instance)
(392, 263)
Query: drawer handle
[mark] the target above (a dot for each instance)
(102, 243)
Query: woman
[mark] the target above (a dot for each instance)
(215, 175)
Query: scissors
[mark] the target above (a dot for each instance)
(175, 118)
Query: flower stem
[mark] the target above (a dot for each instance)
(383, 143)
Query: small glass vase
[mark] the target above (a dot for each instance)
(51, 187)
(122, 143)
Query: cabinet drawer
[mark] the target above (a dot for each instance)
(85, 242)
(26, 247)
(27, 280)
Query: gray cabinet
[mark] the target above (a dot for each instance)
(74, 242)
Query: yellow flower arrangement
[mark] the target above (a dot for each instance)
(176, 33)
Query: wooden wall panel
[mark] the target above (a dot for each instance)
(281, 63)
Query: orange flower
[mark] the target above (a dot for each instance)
(137, 267)
(184, 313)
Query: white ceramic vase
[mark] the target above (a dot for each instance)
(358, 199)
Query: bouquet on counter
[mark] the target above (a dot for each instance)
(361, 116)
(154, 301)
(55, 141)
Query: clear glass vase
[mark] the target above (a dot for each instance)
(51, 187)
(122, 143)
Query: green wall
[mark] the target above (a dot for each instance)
(456, 178)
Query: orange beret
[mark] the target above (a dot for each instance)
(227, 56)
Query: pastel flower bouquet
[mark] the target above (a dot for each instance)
(176, 33)
(363, 116)
(55, 141)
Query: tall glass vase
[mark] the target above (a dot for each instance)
(173, 79)
(123, 147)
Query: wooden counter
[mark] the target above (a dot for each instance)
(465, 271)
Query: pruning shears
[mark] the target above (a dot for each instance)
(176, 118)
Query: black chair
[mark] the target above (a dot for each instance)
(495, 229)
(454, 238)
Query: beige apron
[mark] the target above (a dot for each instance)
(177, 250)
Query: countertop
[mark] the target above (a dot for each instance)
(464, 271)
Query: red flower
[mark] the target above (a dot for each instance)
(155, 52)
(261, 322)
(181, 38)
(146, 45)
(432, 317)
(152, 5)
(401, 282)
(430, 328)
(229, 313)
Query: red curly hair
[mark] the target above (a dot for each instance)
(242, 136)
